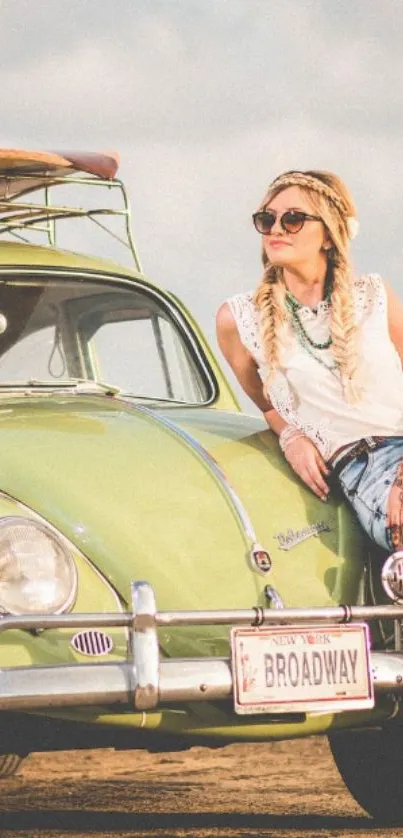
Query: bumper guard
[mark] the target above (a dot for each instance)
(144, 681)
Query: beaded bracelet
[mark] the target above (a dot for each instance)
(289, 434)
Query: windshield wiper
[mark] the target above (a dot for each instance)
(85, 386)
(154, 399)
(88, 385)
(75, 385)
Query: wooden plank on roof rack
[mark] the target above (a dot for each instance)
(25, 171)
(16, 161)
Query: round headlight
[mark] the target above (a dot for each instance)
(392, 576)
(37, 572)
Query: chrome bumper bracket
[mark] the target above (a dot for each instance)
(144, 647)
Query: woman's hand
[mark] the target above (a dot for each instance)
(303, 456)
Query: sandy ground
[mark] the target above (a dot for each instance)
(280, 789)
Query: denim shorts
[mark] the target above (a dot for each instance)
(366, 482)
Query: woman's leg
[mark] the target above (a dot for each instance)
(394, 511)
(373, 485)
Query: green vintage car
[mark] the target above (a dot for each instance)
(165, 579)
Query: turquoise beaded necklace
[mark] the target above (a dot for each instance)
(304, 339)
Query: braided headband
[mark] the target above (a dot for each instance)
(317, 185)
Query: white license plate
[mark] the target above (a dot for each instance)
(299, 669)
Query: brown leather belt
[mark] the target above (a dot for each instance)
(338, 460)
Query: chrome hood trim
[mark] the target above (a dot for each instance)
(242, 515)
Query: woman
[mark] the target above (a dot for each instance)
(320, 351)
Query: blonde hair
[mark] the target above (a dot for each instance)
(331, 200)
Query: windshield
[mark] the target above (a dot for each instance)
(53, 330)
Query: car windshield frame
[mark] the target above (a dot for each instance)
(167, 304)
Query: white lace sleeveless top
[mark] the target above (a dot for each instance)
(308, 394)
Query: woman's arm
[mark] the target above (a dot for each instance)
(300, 451)
(395, 508)
(395, 320)
(240, 360)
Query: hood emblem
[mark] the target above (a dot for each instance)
(288, 540)
(260, 559)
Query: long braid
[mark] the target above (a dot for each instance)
(269, 299)
(343, 330)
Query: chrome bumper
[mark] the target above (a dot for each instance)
(145, 681)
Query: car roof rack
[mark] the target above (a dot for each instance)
(23, 172)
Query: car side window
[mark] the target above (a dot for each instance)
(144, 356)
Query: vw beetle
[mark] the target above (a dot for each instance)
(165, 579)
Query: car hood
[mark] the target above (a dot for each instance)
(316, 548)
(131, 493)
(141, 500)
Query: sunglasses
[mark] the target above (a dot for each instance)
(292, 221)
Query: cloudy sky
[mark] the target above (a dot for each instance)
(207, 101)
